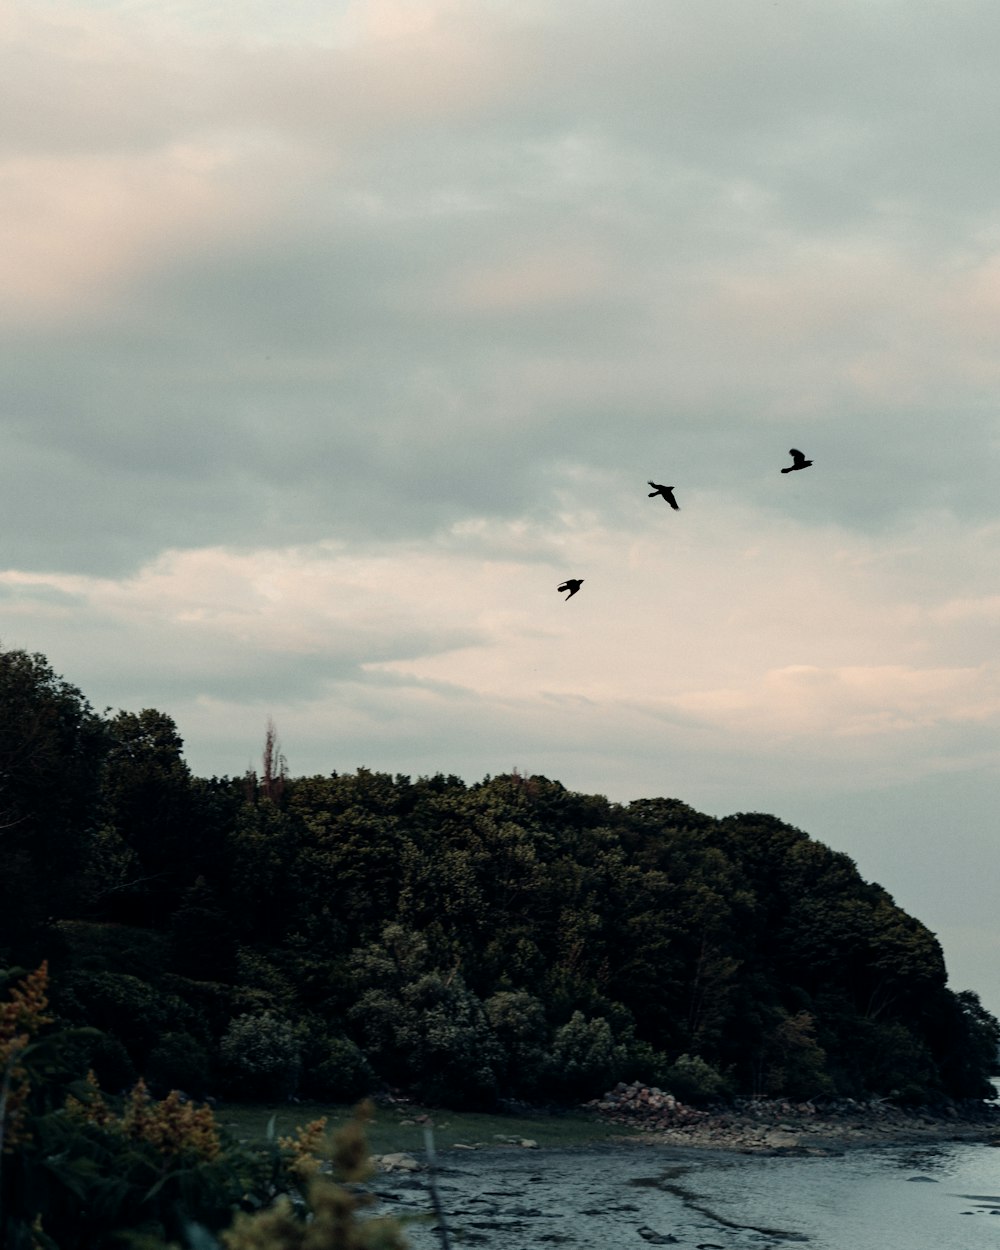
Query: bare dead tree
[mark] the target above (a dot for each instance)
(274, 764)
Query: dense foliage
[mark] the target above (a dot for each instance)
(264, 935)
(83, 1171)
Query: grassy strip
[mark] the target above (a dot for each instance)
(388, 1131)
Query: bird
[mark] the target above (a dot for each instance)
(572, 584)
(668, 494)
(800, 462)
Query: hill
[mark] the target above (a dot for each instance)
(509, 939)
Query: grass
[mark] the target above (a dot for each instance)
(389, 1131)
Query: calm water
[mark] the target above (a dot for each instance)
(619, 1197)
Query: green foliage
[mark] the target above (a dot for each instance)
(586, 1057)
(690, 1079)
(51, 748)
(433, 1038)
(511, 938)
(792, 1063)
(522, 1034)
(202, 941)
(132, 1010)
(111, 1062)
(179, 1061)
(338, 1071)
(261, 1056)
(148, 801)
(969, 1039)
(82, 1171)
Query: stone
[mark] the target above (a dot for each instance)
(398, 1162)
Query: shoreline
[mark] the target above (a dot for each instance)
(781, 1127)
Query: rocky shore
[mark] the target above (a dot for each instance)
(778, 1126)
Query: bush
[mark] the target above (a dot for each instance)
(691, 1079)
(261, 1056)
(131, 1009)
(111, 1063)
(338, 1071)
(178, 1061)
(433, 1039)
(82, 1171)
(520, 1028)
(586, 1058)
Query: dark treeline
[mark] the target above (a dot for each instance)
(325, 935)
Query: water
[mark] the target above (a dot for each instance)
(944, 1197)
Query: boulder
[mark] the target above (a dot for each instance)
(398, 1162)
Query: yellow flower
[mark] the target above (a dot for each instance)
(21, 1018)
(305, 1147)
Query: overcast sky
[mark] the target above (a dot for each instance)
(336, 335)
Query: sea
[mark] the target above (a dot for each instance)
(942, 1196)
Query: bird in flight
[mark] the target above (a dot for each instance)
(800, 462)
(572, 584)
(667, 492)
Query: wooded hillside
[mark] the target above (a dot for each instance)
(267, 934)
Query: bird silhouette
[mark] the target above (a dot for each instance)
(800, 462)
(572, 584)
(667, 492)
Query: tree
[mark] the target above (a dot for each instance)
(51, 747)
(148, 801)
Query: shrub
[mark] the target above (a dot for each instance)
(586, 1058)
(178, 1061)
(794, 1062)
(82, 1171)
(131, 1009)
(338, 1071)
(111, 1062)
(691, 1079)
(433, 1038)
(520, 1028)
(261, 1056)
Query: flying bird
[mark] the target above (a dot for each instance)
(667, 492)
(800, 462)
(572, 584)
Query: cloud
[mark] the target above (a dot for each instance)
(713, 632)
(853, 702)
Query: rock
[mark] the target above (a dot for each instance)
(927, 1180)
(655, 1238)
(528, 1144)
(461, 1145)
(398, 1162)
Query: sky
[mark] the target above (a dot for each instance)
(335, 335)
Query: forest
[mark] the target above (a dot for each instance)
(269, 936)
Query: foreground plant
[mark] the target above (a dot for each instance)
(335, 1212)
(80, 1170)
